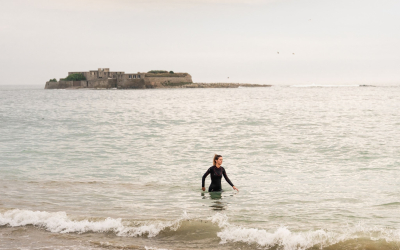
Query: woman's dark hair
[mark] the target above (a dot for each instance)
(216, 157)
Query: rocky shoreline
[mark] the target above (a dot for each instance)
(190, 86)
(221, 85)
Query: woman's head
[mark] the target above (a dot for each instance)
(217, 158)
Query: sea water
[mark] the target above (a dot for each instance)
(317, 168)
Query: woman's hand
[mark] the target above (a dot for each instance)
(203, 188)
(235, 188)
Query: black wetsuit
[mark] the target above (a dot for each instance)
(216, 176)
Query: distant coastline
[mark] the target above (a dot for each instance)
(103, 78)
(222, 85)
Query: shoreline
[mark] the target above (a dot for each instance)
(185, 85)
(223, 85)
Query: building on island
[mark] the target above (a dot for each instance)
(104, 78)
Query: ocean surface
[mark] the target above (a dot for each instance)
(317, 168)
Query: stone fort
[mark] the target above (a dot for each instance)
(104, 78)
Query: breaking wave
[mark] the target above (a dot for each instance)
(217, 226)
(288, 240)
(59, 222)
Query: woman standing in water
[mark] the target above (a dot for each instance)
(216, 172)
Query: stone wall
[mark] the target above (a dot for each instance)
(164, 81)
(102, 84)
(59, 85)
(66, 84)
(132, 84)
(151, 82)
(165, 74)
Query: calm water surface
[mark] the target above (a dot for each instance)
(317, 168)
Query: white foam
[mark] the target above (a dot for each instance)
(59, 222)
(154, 248)
(282, 237)
(288, 240)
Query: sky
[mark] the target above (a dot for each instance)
(278, 42)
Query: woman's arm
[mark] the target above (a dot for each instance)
(204, 179)
(229, 181)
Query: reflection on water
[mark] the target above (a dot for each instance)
(215, 195)
(217, 203)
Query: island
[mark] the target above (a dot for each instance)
(103, 78)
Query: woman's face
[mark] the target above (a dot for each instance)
(219, 161)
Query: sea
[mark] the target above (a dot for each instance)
(317, 167)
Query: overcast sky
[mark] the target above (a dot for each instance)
(319, 42)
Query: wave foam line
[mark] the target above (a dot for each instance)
(59, 222)
(288, 240)
(154, 248)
